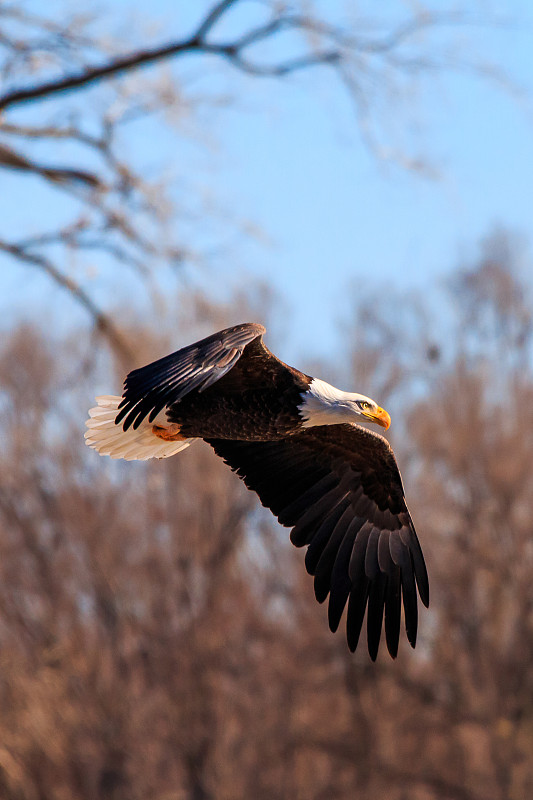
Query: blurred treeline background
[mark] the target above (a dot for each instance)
(159, 638)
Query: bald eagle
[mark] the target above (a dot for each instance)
(293, 440)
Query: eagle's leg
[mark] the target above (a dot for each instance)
(169, 434)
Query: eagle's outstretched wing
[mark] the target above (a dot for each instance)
(339, 488)
(151, 388)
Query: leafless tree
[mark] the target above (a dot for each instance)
(72, 97)
(159, 636)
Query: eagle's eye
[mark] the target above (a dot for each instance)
(364, 406)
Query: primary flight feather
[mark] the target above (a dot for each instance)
(292, 439)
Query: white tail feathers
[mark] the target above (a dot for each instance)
(132, 445)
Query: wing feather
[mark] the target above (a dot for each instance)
(356, 612)
(376, 605)
(336, 580)
(330, 531)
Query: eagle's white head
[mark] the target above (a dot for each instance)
(323, 404)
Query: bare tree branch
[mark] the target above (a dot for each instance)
(92, 75)
(102, 321)
(144, 57)
(12, 160)
(212, 18)
(116, 209)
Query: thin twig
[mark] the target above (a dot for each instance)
(101, 320)
(194, 44)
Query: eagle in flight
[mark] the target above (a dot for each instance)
(295, 441)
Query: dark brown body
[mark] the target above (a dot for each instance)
(256, 401)
(252, 415)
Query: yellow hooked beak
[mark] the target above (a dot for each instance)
(380, 417)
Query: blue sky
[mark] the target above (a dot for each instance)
(337, 216)
(288, 158)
